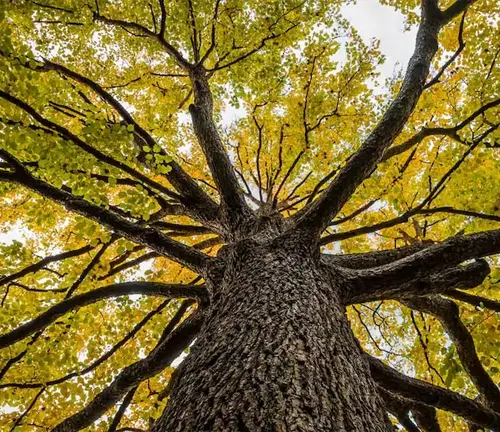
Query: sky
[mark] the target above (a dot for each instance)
(373, 20)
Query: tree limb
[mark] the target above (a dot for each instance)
(235, 209)
(95, 260)
(121, 410)
(474, 300)
(13, 360)
(170, 49)
(444, 255)
(456, 9)
(28, 409)
(129, 264)
(193, 197)
(405, 217)
(466, 277)
(420, 209)
(189, 229)
(399, 408)
(432, 395)
(372, 259)
(96, 363)
(115, 290)
(424, 415)
(149, 237)
(134, 374)
(66, 134)
(212, 34)
(43, 262)
(451, 132)
(447, 312)
(315, 218)
(257, 48)
(461, 46)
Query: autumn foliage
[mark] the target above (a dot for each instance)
(139, 137)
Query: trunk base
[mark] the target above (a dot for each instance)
(276, 353)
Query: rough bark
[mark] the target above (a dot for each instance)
(275, 353)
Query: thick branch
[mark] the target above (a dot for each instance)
(372, 259)
(217, 158)
(116, 290)
(465, 277)
(426, 417)
(188, 229)
(163, 18)
(432, 395)
(420, 209)
(149, 237)
(134, 374)
(429, 261)
(316, 217)
(399, 408)
(175, 320)
(447, 312)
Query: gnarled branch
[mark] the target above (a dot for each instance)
(431, 260)
(370, 289)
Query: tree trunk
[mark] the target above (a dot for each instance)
(276, 353)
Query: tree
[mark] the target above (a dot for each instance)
(312, 257)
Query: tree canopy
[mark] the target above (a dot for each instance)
(121, 177)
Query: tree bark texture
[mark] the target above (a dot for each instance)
(276, 353)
